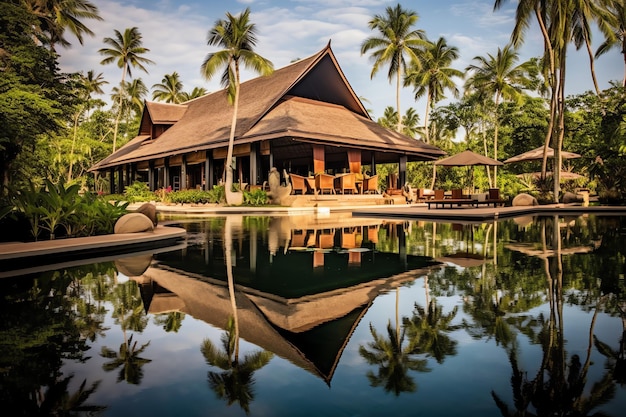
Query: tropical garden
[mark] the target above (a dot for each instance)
(56, 125)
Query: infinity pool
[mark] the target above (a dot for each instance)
(333, 316)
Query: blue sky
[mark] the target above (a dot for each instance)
(175, 31)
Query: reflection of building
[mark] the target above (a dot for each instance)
(285, 305)
(311, 332)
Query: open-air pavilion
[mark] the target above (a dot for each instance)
(303, 119)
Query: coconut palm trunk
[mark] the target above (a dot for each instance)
(232, 197)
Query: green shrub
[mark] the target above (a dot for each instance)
(138, 192)
(57, 210)
(255, 198)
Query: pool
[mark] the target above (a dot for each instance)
(329, 315)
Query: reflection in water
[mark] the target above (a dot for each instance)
(359, 302)
(558, 387)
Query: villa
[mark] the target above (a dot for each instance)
(304, 119)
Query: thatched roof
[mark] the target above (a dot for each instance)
(309, 100)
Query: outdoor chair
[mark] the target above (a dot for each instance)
(324, 182)
(439, 194)
(457, 193)
(370, 185)
(345, 183)
(298, 184)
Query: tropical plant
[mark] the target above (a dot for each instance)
(502, 78)
(433, 75)
(612, 23)
(396, 40)
(54, 17)
(195, 93)
(237, 35)
(127, 52)
(169, 89)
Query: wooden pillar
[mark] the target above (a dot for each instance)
(208, 172)
(354, 160)
(111, 181)
(183, 173)
(151, 175)
(402, 170)
(254, 164)
(319, 162)
(166, 173)
(120, 179)
(373, 164)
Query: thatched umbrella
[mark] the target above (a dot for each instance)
(467, 158)
(537, 154)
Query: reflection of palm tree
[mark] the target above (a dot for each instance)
(558, 387)
(427, 329)
(57, 401)
(236, 382)
(171, 321)
(616, 358)
(128, 358)
(394, 361)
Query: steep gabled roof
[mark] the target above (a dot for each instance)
(266, 110)
(164, 113)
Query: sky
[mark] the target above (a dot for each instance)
(175, 32)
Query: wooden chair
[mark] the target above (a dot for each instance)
(299, 184)
(494, 194)
(324, 182)
(370, 185)
(457, 193)
(345, 183)
(439, 194)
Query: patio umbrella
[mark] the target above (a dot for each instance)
(565, 175)
(537, 154)
(467, 158)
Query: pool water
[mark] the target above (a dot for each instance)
(332, 315)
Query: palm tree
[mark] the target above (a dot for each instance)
(126, 51)
(410, 122)
(56, 16)
(433, 75)
(500, 77)
(93, 84)
(195, 93)
(389, 118)
(131, 98)
(237, 35)
(169, 90)
(584, 12)
(396, 39)
(613, 26)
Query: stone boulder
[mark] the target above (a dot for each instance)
(133, 223)
(150, 211)
(570, 197)
(524, 199)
